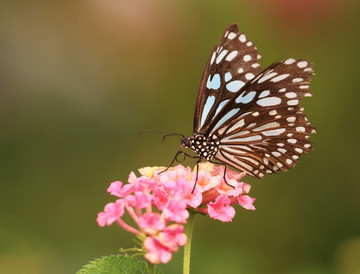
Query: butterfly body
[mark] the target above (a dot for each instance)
(247, 117)
(204, 147)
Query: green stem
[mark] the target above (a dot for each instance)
(187, 248)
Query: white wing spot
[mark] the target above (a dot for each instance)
(292, 102)
(249, 44)
(300, 129)
(280, 144)
(237, 125)
(279, 164)
(270, 101)
(295, 157)
(212, 58)
(231, 35)
(297, 80)
(291, 119)
(249, 76)
(221, 105)
(266, 126)
(228, 76)
(246, 139)
(290, 94)
(207, 107)
(289, 61)
(245, 99)
(240, 70)
(266, 77)
(277, 116)
(267, 155)
(231, 55)
(282, 150)
(255, 65)
(235, 85)
(264, 93)
(304, 86)
(274, 132)
(307, 146)
(282, 90)
(242, 38)
(302, 64)
(247, 58)
(256, 113)
(300, 150)
(292, 141)
(308, 94)
(213, 83)
(276, 154)
(273, 112)
(279, 78)
(290, 135)
(221, 56)
(289, 161)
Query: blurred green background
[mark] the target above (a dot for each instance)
(80, 79)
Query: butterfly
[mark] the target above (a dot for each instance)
(246, 117)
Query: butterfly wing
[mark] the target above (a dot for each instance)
(262, 129)
(233, 62)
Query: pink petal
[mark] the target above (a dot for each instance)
(151, 223)
(175, 210)
(118, 190)
(157, 253)
(139, 200)
(246, 202)
(221, 210)
(112, 212)
(160, 197)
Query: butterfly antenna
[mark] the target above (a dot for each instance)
(167, 133)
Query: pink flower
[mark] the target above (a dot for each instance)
(173, 236)
(221, 210)
(151, 223)
(139, 200)
(246, 202)
(112, 212)
(157, 252)
(159, 204)
(160, 197)
(175, 210)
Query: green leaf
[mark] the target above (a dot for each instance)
(117, 264)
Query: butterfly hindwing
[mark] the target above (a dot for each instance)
(233, 62)
(262, 128)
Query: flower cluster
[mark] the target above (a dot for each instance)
(159, 203)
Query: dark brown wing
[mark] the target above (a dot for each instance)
(263, 129)
(233, 62)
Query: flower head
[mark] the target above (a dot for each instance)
(159, 203)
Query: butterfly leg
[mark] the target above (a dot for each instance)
(225, 168)
(197, 173)
(172, 162)
(178, 160)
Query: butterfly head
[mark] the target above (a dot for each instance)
(186, 142)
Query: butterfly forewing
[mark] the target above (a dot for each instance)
(233, 63)
(262, 128)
